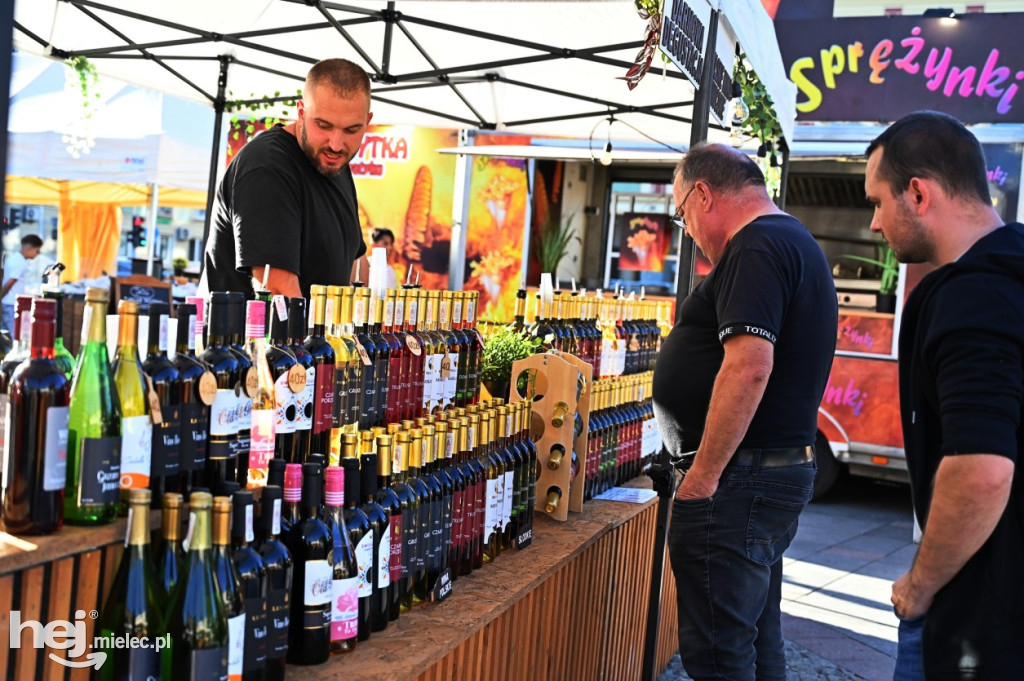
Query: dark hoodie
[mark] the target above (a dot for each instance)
(962, 392)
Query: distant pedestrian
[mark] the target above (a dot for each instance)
(739, 380)
(961, 368)
(14, 276)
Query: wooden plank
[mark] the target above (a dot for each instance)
(30, 601)
(87, 581)
(59, 588)
(6, 605)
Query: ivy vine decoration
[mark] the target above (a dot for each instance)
(649, 11)
(247, 125)
(80, 139)
(762, 124)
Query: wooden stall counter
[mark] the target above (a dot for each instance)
(571, 606)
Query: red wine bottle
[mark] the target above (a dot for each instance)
(277, 561)
(36, 421)
(309, 541)
(345, 592)
(252, 577)
(360, 533)
(304, 398)
(222, 455)
(245, 388)
(388, 500)
(292, 512)
(165, 460)
(282, 368)
(194, 414)
(380, 576)
(323, 357)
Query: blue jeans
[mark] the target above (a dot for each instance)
(726, 554)
(7, 321)
(910, 650)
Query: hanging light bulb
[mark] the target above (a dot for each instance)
(606, 155)
(739, 112)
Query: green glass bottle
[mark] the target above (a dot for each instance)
(197, 624)
(64, 359)
(134, 606)
(130, 380)
(94, 425)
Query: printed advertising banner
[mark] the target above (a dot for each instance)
(644, 241)
(881, 68)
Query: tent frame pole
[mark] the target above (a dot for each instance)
(661, 471)
(218, 119)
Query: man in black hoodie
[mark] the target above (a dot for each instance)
(961, 372)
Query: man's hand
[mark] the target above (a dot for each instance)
(910, 598)
(696, 485)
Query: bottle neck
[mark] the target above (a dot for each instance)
(170, 525)
(138, 529)
(128, 330)
(42, 339)
(200, 539)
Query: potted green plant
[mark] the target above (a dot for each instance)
(502, 348)
(890, 267)
(553, 244)
(179, 265)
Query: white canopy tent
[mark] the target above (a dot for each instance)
(542, 68)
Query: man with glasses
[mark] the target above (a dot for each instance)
(736, 392)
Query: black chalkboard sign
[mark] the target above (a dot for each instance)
(141, 289)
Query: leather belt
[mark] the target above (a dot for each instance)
(773, 458)
(762, 458)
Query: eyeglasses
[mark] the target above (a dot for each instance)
(679, 219)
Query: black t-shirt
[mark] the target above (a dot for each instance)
(772, 281)
(962, 392)
(274, 208)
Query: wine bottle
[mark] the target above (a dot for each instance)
(171, 563)
(427, 516)
(458, 328)
(414, 299)
(193, 380)
(21, 348)
(246, 387)
(252, 577)
(302, 437)
(264, 405)
(165, 463)
(197, 623)
(407, 503)
(345, 590)
(324, 361)
(346, 360)
(520, 312)
(464, 511)
(450, 363)
(381, 525)
(199, 323)
(525, 416)
(553, 498)
(360, 534)
(229, 585)
(310, 543)
(397, 355)
(513, 473)
(555, 456)
(287, 379)
(433, 351)
(51, 291)
(292, 512)
(444, 473)
(368, 356)
(387, 453)
(133, 609)
(454, 535)
(132, 389)
(222, 453)
(494, 490)
(476, 461)
(357, 362)
(382, 362)
(279, 569)
(476, 348)
(36, 421)
(94, 424)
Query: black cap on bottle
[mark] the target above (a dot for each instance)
(275, 476)
(270, 494)
(240, 500)
(236, 313)
(368, 475)
(156, 311)
(218, 321)
(183, 312)
(317, 457)
(297, 318)
(312, 486)
(227, 487)
(351, 467)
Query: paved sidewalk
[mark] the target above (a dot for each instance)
(837, 579)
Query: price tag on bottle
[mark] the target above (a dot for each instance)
(207, 388)
(297, 378)
(414, 344)
(446, 364)
(155, 414)
(282, 308)
(252, 383)
(362, 354)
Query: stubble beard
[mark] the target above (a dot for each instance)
(314, 159)
(914, 244)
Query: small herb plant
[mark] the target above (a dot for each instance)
(502, 348)
(889, 265)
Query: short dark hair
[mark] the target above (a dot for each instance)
(31, 240)
(381, 232)
(722, 168)
(345, 78)
(935, 146)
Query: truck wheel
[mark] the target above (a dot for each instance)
(828, 468)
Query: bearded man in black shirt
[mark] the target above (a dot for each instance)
(288, 200)
(736, 392)
(961, 355)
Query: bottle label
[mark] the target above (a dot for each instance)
(166, 459)
(261, 445)
(364, 563)
(436, 534)
(456, 312)
(399, 313)
(458, 514)
(136, 448)
(449, 368)
(194, 435)
(55, 453)
(414, 310)
(428, 380)
(284, 402)
(397, 452)
(389, 314)
(243, 409)
(397, 564)
(275, 519)
(304, 402)
(143, 664)
(413, 343)
(490, 508)
(470, 311)
(319, 578)
(471, 437)
(236, 646)
(408, 541)
(323, 416)
(340, 406)
(449, 445)
(384, 560)
(208, 664)
(224, 413)
(423, 526)
(509, 492)
(255, 653)
(345, 609)
(278, 620)
(162, 337)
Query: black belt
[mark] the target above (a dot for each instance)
(762, 458)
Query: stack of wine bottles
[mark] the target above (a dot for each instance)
(617, 336)
(324, 557)
(623, 436)
(248, 382)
